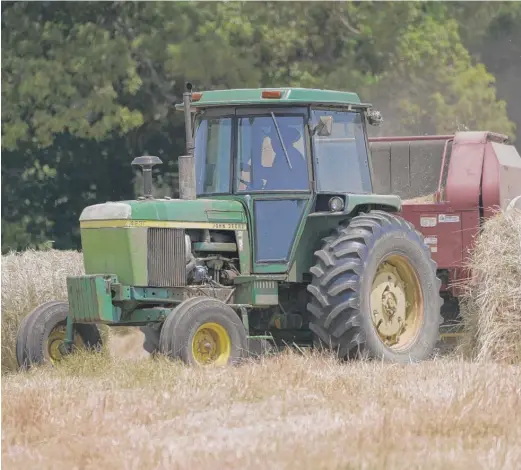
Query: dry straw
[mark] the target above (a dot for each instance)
(425, 199)
(29, 279)
(491, 306)
(305, 411)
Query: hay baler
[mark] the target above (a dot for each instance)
(278, 238)
(450, 184)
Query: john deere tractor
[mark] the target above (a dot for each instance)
(277, 239)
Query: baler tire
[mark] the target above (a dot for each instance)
(181, 325)
(342, 283)
(36, 328)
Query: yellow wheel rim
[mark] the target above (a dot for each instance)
(211, 344)
(397, 303)
(56, 339)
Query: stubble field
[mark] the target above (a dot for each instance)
(288, 412)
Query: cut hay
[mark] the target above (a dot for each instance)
(491, 306)
(29, 279)
(427, 199)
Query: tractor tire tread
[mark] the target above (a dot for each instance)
(34, 331)
(336, 319)
(177, 328)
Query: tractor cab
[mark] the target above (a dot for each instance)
(283, 153)
(298, 140)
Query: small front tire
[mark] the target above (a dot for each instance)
(203, 331)
(42, 334)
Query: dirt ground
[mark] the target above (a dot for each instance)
(295, 411)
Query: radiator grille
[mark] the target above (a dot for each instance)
(166, 259)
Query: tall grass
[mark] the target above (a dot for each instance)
(29, 279)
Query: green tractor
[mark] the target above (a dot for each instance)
(277, 239)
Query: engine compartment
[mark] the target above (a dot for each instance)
(214, 257)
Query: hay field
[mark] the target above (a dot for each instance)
(123, 410)
(287, 412)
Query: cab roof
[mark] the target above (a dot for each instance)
(274, 97)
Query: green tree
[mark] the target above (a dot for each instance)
(432, 84)
(87, 86)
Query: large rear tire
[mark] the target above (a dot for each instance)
(374, 291)
(203, 331)
(42, 333)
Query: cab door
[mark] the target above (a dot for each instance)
(273, 170)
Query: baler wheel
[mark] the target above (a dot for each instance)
(203, 331)
(42, 333)
(374, 291)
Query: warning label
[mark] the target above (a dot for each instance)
(431, 240)
(426, 221)
(443, 218)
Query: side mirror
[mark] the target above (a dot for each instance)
(374, 118)
(324, 126)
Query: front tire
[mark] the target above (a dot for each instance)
(42, 333)
(374, 291)
(203, 331)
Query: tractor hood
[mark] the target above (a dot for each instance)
(198, 213)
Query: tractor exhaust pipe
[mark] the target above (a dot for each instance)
(186, 162)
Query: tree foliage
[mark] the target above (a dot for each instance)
(87, 86)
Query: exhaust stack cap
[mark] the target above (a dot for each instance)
(146, 163)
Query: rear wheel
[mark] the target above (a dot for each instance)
(375, 291)
(203, 331)
(41, 335)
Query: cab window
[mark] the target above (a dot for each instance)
(341, 159)
(213, 138)
(271, 154)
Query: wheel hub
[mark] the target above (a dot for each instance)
(211, 344)
(396, 303)
(388, 302)
(206, 345)
(56, 348)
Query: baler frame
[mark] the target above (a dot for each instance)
(468, 192)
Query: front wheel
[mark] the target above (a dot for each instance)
(42, 333)
(203, 331)
(374, 291)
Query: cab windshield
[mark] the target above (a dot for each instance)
(271, 153)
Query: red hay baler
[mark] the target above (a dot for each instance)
(468, 177)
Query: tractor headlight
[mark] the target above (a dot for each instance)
(336, 204)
